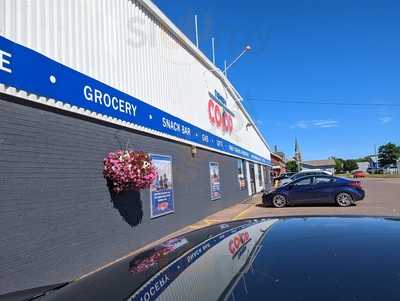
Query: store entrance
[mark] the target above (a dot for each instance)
(252, 178)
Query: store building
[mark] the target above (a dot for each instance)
(278, 164)
(80, 79)
(328, 165)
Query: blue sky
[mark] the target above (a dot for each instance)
(341, 51)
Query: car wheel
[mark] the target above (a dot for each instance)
(344, 199)
(279, 201)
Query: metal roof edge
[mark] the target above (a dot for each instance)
(163, 19)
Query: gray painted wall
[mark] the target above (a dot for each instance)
(56, 218)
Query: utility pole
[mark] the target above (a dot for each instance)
(225, 69)
(213, 49)
(246, 49)
(197, 31)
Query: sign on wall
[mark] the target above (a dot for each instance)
(161, 191)
(82, 94)
(219, 114)
(215, 181)
(241, 177)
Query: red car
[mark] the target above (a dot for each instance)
(359, 174)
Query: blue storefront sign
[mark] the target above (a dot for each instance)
(162, 189)
(25, 69)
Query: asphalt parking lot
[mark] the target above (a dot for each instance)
(382, 199)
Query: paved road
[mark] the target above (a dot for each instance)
(382, 198)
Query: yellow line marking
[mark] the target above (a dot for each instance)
(213, 221)
(195, 227)
(242, 213)
(207, 222)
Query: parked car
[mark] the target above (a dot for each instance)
(286, 258)
(316, 189)
(285, 176)
(303, 173)
(359, 174)
(375, 170)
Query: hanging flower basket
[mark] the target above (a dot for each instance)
(128, 170)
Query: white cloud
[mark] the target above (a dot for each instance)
(385, 119)
(259, 122)
(308, 124)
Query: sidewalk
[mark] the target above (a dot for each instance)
(229, 214)
(232, 213)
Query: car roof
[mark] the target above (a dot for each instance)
(312, 176)
(316, 271)
(313, 171)
(119, 280)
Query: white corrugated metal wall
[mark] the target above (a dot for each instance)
(122, 44)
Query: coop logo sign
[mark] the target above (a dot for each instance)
(237, 245)
(218, 113)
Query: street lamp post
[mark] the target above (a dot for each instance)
(247, 49)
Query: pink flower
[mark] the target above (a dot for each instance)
(129, 170)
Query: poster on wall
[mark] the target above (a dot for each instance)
(215, 181)
(161, 190)
(241, 178)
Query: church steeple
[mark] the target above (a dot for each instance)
(297, 152)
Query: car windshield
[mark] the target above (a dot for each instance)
(301, 174)
(199, 150)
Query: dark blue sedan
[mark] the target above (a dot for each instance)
(316, 190)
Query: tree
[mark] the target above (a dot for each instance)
(364, 159)
(292, 166)
(350, 165)
(339, 165)
(388, 154)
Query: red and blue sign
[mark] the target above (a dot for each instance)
(162, 189)
(219, 114)
(25, 69)
(237, 245)
(157, 284)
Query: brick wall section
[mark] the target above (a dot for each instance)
(56, 218)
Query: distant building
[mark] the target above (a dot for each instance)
(363, 166)
(278, 164)
(393, 168)
(328, 165)
(374, 162)
(278, 159)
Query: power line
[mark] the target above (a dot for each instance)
(325, 103)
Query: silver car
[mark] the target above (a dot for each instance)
(304, 173)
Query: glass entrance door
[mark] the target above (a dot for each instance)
(252, 178)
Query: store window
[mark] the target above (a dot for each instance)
(260, 181)
(241, 176)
